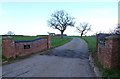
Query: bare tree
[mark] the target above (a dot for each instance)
(117, 30)
(10, 33)
(60, 20)
(112, 31)
(83, 28)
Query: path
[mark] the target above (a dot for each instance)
(54, 64)
(75, 49)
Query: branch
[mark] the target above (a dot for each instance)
(60, 20)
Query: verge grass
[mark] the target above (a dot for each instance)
(91, 43)
(58, 41)
(114, 72)
(24, 37)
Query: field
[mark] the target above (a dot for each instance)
(58, 41)
(55, 41)
(24, 37)
(91, 43)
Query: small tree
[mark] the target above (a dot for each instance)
(10, 33)
(60, 20)
(83, 28)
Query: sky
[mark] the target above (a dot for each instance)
(30, 17)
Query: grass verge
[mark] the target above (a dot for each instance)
(58, 41)
(24, 37)
(114, 72)
(91, 43)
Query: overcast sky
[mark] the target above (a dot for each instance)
(30, 17)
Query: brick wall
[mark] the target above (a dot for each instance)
(13, 48)
(8, 47)
(109, 53)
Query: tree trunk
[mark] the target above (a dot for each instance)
(61, 34)
(81, 34)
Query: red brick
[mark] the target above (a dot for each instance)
(110, 52)
(11, 49)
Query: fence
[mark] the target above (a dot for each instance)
(108, 47)
(12, 48)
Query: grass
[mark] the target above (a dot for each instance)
(24, 37)
(91, 43)
(58, 41)
(114, 72)
(55, 41)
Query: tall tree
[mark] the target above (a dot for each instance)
(60, 20)
(83, 28)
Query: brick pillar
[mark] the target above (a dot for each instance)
(48, 41)
(8, 47)
(112, 51)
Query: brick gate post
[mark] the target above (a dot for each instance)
(8, 47)
(49, 41)
(113, 51)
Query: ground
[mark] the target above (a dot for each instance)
(54, 63)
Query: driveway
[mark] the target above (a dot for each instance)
(69, 60)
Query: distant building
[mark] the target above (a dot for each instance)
(52, 34)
